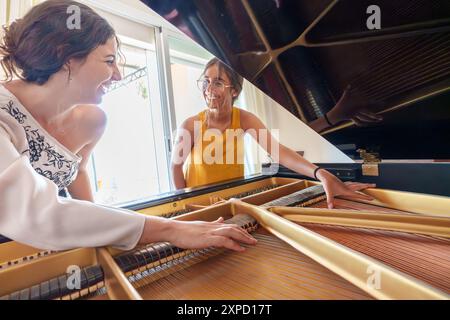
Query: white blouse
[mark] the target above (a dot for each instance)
(47, 155)
(31, 211)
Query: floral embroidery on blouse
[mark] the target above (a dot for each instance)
(44, 157)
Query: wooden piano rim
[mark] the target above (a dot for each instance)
(117, 285)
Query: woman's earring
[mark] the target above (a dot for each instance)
(70, 75)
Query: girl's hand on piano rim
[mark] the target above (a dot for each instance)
(334, 187)
(200, 234)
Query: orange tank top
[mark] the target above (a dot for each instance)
(216, 156)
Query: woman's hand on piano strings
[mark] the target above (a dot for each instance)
(334, 187)
(196, 234)
(200, 234)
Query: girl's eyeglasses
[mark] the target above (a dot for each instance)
(217, 85)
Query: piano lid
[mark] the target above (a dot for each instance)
(305, 53)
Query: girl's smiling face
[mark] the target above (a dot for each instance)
(92, 76)
(217, 92)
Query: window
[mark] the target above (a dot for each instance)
(130, 161)
(187, 60)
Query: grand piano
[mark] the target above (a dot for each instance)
(304, 55)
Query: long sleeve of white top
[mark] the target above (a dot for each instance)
(32, 213)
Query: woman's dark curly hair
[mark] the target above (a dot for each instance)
(41, 43)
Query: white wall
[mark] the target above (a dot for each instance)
(296, 135)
